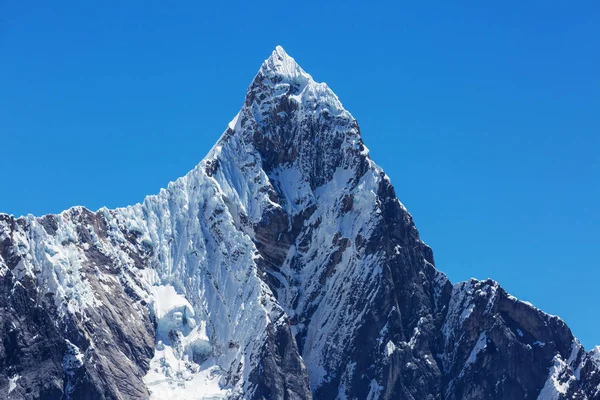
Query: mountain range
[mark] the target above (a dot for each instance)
(283, 266)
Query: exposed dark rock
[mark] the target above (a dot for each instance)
(280, 354)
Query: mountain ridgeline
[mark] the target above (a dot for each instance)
(282, 266)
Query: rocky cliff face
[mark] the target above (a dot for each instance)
(282, 267)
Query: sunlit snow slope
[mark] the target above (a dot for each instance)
(282, 267)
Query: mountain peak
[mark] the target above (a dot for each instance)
(279, 52)
(282, 65)
(282, 87)
(242, 279)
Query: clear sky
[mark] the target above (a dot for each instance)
(486, 117)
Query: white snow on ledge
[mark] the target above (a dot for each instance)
(12, 383)
(182, 366)
(556, 385)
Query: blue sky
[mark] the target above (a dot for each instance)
(485, 116)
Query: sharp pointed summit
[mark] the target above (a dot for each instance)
(283, 102)
(282, 65)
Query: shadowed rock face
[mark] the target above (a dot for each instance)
(45, 349)
(295, 273)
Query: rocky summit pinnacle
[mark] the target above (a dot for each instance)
(281, 64)
(282, 267)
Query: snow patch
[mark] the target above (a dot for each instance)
(478, 348)
(594, 356)
(374, 390)
(558, 382)
(12, 383)
(390, 347)
(181, 367)
(519, 332)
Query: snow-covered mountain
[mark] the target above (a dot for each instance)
(282, 267)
